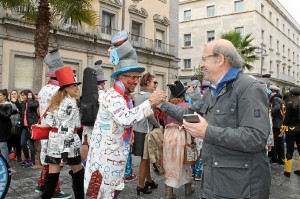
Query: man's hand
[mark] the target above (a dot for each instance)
(196, 129)
(157, 98)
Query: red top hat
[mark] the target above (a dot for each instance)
(65, 77)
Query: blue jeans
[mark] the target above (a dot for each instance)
(26, 139)
(4, 150)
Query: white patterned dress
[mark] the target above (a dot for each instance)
(44, 98)
(66, 119)
(108, 152)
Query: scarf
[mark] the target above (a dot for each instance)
(120, 88)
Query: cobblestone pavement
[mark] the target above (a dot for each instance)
(24, 182)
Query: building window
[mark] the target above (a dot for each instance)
(277, 22)
(159, 40)
(288, 32)
(283, 27)
(293, 56)
(136, 29)
(271, 41)
(262, 9)
(277, 46)
(108, 21)
(270, 16)
(187, 15)
(283, 70)
(187, 39)
(283, 50)
(240, 30)
(289, 51)
(239, 6)
(210, 35)
(210, 11)
(262, 35)
(187, 63)
(271, 63)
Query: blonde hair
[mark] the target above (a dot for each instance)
(56, 99)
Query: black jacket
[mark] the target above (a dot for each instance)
(5, 122)
(31, 111)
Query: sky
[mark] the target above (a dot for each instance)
(293, 7)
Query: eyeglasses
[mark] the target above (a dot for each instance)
(204, 58)
(133, 78)
(155, 82)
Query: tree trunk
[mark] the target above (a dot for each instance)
(41, 42)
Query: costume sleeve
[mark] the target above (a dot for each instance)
(117, 107)
(253, 123)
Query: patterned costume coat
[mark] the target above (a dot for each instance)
(108, 152)
(44, 98)
(66, 119)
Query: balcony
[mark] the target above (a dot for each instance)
(286, 78)
(137, 41)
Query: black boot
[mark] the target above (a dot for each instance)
(77, 185)
(50, 184)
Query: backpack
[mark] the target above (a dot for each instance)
(89, 99)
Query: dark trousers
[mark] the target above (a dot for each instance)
(26, 139)
(291, 138)
(277, 152)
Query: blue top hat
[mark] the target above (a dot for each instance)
(123, 55)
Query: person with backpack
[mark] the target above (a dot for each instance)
(277, 108)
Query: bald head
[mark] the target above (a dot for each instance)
(226, 48)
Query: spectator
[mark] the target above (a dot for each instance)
(5, 123)
(234, 125)
(276, 103)
(28, 110)
(15, 139)
(148, 86)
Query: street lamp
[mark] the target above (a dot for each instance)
(135, 2)
(263, 53)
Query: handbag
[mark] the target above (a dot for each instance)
(39, 131)
(191, 154)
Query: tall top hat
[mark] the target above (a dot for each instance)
(99, 71)
(123, 55)
(66, 77)
(53, 61)
(177, 88)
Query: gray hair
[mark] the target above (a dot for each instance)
(231, 54)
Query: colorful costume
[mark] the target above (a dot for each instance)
(108, 152)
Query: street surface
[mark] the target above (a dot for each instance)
(24, 182)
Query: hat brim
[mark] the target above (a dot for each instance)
(118, 72)
(64, 86)
(184, 90)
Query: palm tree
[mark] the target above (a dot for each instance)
(244, 47)
(41, 13)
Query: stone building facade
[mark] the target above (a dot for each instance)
(152, 27)
(276, 34)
